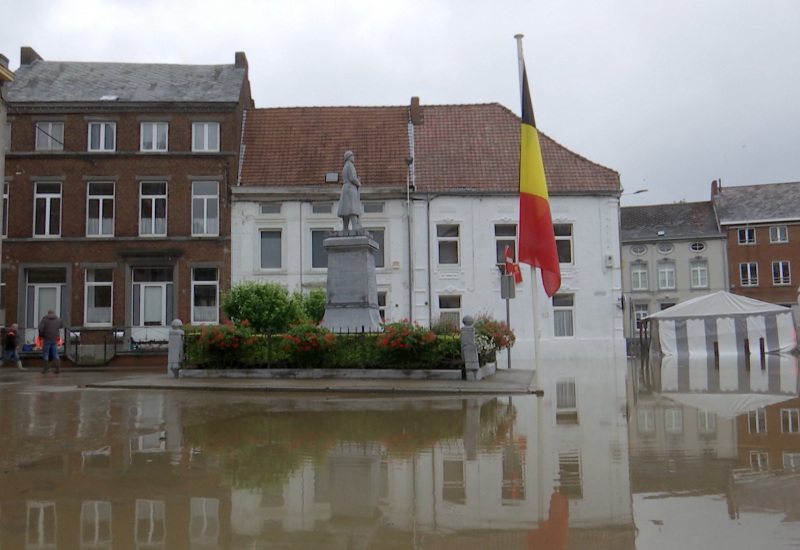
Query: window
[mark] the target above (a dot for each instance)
(205, 208)
(697, 247)
(747, 236)
(5, 209)
(47, 217)
(321, 208)
(706, 423)
(271, 240)
(100, 208)
(450, 310)
(152, 295)
(378, 235)
(666, 275)
(646, 421)
(759, 461)
(757, 421)
(781, 275)
(566, 402)
(639, 276)
(382, 304)
(49, 136)
(779, 234)
(96, 530)
(153, 208)
(102, 136)
(673, 421)
(699, 273)
(638, 249)
(563, 233)
(447, 235)
(570, 480)
(373, 208)
(319, 256)
(99, 291)
(205, 295)
(748, 273)
(505, 235)
(791, 462)
(666, 305)
(665, 248)
(205, 136)
(271, 208)
(640, 311)
(563, 309)
(454, 482)
(154, 136)
(790, 420)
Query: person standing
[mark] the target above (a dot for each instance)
(50, 331)
(350, 209)
(11, 344)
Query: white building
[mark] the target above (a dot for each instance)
(440, 196)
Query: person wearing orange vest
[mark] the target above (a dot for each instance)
(50, 330)
(10, 349)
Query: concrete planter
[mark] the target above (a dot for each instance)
(364, 374)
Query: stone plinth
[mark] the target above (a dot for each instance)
(352, 303)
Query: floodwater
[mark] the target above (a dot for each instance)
(613, 456)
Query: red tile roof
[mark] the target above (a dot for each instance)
(456, 148)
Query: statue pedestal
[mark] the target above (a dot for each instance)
(352, 302)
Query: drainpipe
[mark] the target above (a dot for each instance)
(409, 162)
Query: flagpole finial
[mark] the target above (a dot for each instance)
(518, 36)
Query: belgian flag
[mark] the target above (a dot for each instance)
(537, 242)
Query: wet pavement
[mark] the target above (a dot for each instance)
(607, 455)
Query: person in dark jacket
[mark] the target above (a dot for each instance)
(50, 331)
(11, 344)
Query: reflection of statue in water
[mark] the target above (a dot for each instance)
(350, 199)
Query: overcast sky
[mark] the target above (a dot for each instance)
(671, 94)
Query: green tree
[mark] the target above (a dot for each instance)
(313, 303)
(267, 306)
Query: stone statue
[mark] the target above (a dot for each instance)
(350, 199)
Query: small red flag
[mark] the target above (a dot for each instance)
(511, 267)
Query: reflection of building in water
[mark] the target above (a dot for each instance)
(140, 485)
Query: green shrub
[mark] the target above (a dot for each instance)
(313, 304)
(307, 343)
(267, 306)
(223, 346)
(444, 326)
(403, 344)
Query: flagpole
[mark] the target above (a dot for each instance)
(534, 276)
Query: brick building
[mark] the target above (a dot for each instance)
(116, 197)
(762, 223)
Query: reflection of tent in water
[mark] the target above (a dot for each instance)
(728, 387)
(723, 323)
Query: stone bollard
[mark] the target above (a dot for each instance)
(469, 351)
(175, 348)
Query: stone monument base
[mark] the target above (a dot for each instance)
(352, 292)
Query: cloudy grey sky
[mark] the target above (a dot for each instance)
(672, 95)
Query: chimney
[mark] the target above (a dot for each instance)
(28, 55)
(415, 111)
(3, 62)
(241, 60)
(714, 189)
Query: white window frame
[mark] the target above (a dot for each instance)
(759, 461)
(640, 311)
(49, 136)
(706, 423)
(781, 273)
(155, 201)
(748, 273)
(747, 236)
(697, 246)
(150, 137)
(665, 248)
(698, 273)
(261, 255)
(51, 214)
(102, 136)
(779, 234)
(564, 242)
(673, 421)
(666, 276)
(210, 313)
(757, 421)
(102, 225)
(646, 420)
(6, 189)
(563, 315)
(446, 240)
(450, 309)
(90, 285)
(205, 209)
(639, 276)
(790, 421)
(505, 235)
(205, 137)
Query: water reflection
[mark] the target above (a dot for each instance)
(622, 456)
